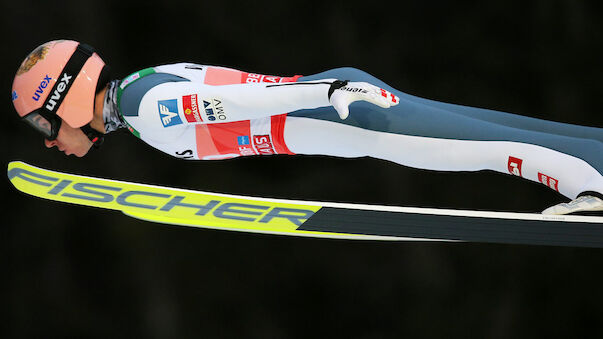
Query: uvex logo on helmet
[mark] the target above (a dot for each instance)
(58, 92)
(41, 87)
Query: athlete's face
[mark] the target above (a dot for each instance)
(71, 141)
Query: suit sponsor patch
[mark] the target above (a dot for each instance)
(263, 144)
(214, 109)
(549, 181)
(190, 106)
(243, 140)
(168, 112)
(251, 78)
(514, 166)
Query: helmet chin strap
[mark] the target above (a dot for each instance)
(93, 135)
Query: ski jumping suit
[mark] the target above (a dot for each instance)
(204, 112)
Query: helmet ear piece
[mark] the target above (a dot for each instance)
(93, 135)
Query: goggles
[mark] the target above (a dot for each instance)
(44, 119)
(48, 125)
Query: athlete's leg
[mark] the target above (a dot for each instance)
(430, 136)
(567, 174)
(412, 117)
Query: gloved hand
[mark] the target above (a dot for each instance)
(343, 93)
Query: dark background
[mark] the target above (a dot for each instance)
(85, 272)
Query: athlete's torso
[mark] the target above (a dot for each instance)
(186, 124)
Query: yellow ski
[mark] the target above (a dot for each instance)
(305, 218)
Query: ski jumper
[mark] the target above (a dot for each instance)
(204, 112)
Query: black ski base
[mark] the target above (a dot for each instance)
(460, 228)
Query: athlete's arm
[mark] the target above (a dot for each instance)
(239, 102)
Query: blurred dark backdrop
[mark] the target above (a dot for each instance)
(83, 272)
